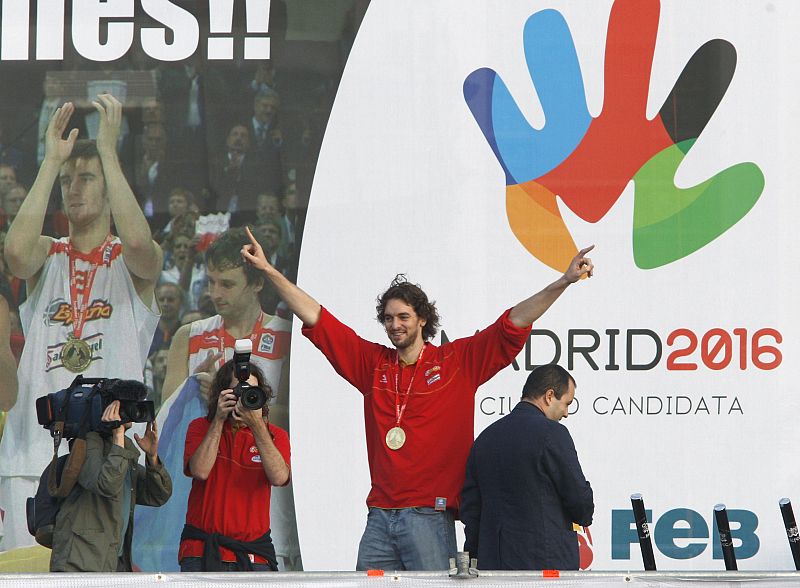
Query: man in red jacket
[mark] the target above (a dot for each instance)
(418, 406)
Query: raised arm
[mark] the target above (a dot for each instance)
(177, 362)
(299, 302)
(143, 256)
(26, 248)
(530, 309)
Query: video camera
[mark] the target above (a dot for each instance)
(252, 397)
(81, 406)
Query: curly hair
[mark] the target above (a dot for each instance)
(222, 381)
(415, 297)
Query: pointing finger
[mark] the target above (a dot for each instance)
(250, 235)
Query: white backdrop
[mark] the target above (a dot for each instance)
(407, 183)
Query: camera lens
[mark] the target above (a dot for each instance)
(253, 398)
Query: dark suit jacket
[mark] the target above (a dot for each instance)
(524, 488)
(246, 182)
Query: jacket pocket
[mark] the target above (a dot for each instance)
(90, 551)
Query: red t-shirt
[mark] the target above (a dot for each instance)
(234, 500)
(439, 416)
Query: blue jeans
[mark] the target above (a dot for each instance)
(417, 539)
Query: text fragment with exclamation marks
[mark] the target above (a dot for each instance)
(220, 39)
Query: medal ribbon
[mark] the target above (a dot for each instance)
(256, 332)
(399, 410)
(79, 301)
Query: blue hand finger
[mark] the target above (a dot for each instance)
(556, 74)
(522, 151)
(478, 88)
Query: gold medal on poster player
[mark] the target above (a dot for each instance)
(76, 355)
(395, 438)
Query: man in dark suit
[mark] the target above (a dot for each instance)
(524, 487)
(155, 175)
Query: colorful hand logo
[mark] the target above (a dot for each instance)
(588, 162)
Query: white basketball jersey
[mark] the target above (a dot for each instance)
(119, 328)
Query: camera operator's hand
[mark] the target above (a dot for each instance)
(225, 404)
(251, 418)
(111, 415)
(149, 443)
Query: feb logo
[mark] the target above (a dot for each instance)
(683, 533)
(267, 343)
(587, 162)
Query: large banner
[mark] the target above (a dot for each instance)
(473, 146)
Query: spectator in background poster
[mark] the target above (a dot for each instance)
(155, 174)
(12, 200)
(268, 139)
(170, 300)
(236, 174)
(8, 179)
(180, 202)
(158, 367)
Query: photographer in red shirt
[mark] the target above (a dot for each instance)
(235, 456)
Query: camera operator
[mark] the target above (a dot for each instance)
(94, 526)
(234, 456)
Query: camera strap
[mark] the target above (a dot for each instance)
(77, 454)
(72, 468)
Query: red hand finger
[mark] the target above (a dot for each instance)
(633, 23)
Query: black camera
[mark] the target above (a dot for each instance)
(81, 406)
(252, 397)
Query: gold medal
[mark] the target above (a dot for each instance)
(76, 355)
(395, 438)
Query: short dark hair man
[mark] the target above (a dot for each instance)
(524, 487)
(418, 406)
(203, 346)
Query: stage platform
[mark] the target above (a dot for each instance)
(409, 579)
